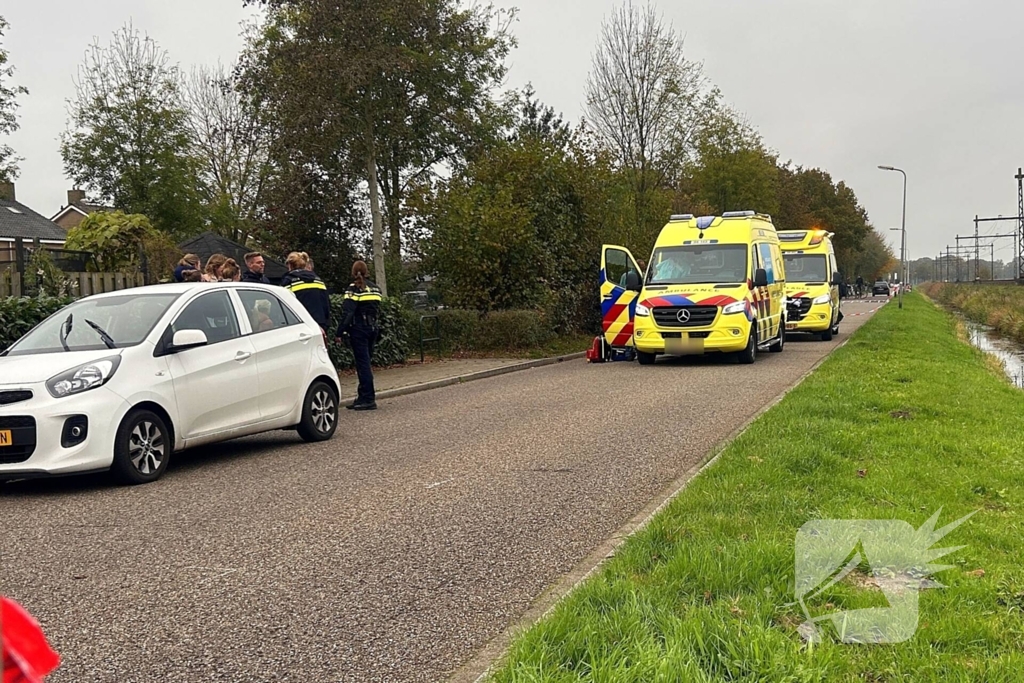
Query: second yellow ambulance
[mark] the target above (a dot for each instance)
(812, 287)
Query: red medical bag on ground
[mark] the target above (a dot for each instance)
(27, 657)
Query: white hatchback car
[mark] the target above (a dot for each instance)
(120, 381)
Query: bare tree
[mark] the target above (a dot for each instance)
(645, 99)
(231, 144)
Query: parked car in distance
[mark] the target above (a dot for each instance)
(120, 381)
(880, 288)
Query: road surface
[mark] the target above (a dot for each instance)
(393, 553)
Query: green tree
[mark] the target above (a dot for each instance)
(8, 110)
(733, 171)
(386, 91)
(522, 225)
(127, 140)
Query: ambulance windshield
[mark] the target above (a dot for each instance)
(806, 268)
(699, 264)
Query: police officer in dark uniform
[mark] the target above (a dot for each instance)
(360, 327)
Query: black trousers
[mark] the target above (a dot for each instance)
(363, 340)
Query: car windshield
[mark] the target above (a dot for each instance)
(125, 320)
(806, 268)
(698, 264)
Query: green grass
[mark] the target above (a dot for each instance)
(903, 420)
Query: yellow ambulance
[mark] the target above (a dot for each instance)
(713, 284)
(812, 287)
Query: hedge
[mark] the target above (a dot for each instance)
(466, 331)
(19, 315)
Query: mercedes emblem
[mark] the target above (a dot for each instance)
(683, 316)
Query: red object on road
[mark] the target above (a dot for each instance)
(595, 354)
(27, 657)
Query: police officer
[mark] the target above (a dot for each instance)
(308, 288)
(359, 325)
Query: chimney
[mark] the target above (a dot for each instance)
(76, 197)
(7, 192)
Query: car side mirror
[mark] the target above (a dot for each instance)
(836, 280)
(633, 281)
(760, 278)
(188, 339)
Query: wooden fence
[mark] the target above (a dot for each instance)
(79, 284)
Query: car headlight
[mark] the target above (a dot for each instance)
(732, 309)
(823, 299)
(642, 311)
(83, 378)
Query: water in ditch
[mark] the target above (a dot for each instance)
(1010, 353)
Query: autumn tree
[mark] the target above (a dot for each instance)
(8, 110)
(127, 140)
(387, 91)
(732, 171)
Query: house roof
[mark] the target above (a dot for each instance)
(84, 208)
(17, 220)
(210, 243)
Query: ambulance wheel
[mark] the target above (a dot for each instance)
(780, 343)
(646, 358)
(748, 355)
(828, 334)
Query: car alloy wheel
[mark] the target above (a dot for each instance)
(147, 448)
(323, 410)
(319, 413)
(142, 447)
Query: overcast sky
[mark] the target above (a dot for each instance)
(932, 86)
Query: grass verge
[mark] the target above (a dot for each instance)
(902, 421)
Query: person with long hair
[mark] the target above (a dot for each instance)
(359, 325)
(213, 266)
(307, 288)
(188, 262)
(230, 272)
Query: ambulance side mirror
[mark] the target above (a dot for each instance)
(633, 281)
(760, 278)
(836, 279)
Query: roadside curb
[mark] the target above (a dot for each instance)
(483, 662)
(471, 377)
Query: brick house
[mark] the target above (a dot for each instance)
(76, 210)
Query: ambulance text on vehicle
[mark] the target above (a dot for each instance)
(812, 286)
(714, 284)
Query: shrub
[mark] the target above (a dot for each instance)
(19, 315)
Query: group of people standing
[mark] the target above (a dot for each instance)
(359, 326)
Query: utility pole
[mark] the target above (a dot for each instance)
(977, 251)
(1020, 219)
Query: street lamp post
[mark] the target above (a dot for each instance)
(903, 245)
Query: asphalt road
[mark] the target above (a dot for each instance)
(394, 552)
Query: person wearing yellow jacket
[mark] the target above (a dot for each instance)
(359, 325)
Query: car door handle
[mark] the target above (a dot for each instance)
(305, 337)
(242, 355)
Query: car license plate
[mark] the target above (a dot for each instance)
(5, 437)
(684, 347)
